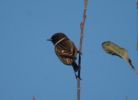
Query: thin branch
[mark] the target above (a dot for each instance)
(126, 97)
(137, 23)
(33, 98)
(78, 89)
(82, 24)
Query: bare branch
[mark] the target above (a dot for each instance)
(137, 24)
(33, 98)
(126, 97)
(82, 24)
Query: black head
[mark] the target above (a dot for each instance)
(56, 37)
(106, 43)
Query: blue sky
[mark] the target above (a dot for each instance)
(29, 66)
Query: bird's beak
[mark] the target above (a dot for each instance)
(49, 39)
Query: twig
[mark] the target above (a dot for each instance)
(126, 97)
(137, 23)
(82, 24)
(78, 89)
(33, 98)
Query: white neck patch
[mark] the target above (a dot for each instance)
(59, 41)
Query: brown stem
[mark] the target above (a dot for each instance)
(33, 98)
(137, 23)
(82, 24)
(126, 97)
(78, 89)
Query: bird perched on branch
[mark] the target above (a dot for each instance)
(114, 49)
(65, 50)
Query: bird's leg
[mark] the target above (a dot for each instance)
(79, 52)
(76, 76)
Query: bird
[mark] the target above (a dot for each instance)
(65, 50)
(114, 49)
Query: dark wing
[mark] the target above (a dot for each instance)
(66, 48)
(65, 51)
(64, 58)
(111, 52)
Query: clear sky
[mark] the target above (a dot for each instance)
(29, 66)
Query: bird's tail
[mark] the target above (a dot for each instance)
(75, 66)
(130, 63)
